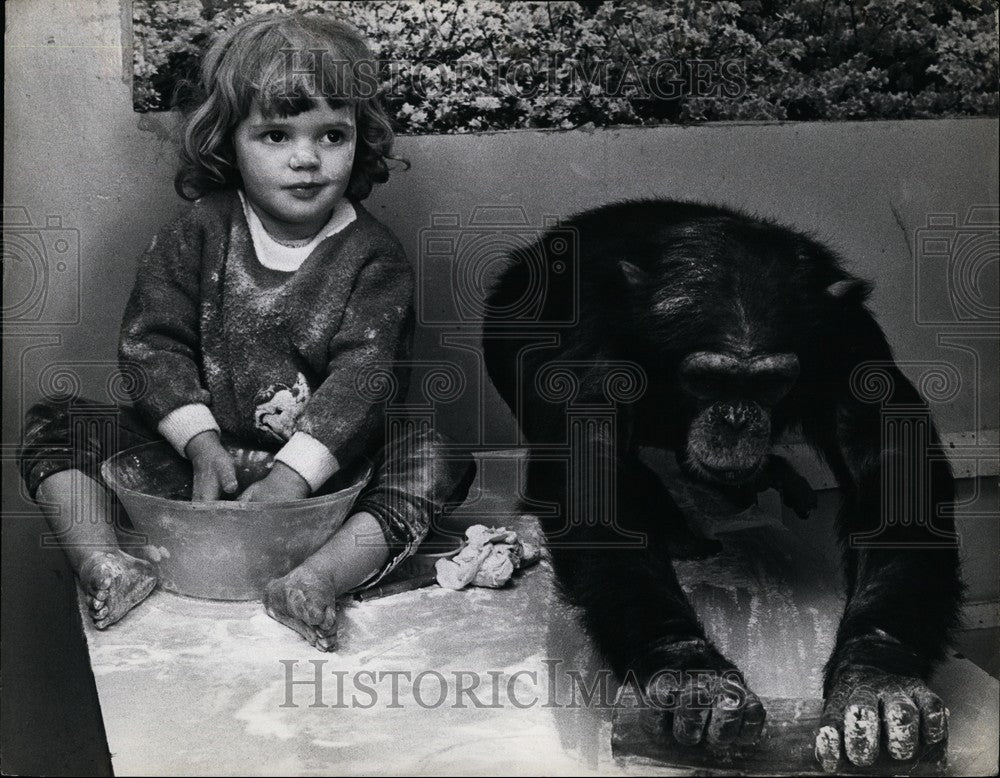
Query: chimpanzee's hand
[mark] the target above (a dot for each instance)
(214, 471)
(866, 704)
(707, 702)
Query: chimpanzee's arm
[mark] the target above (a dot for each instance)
(900, 551)
(896, 523)
(633, 605)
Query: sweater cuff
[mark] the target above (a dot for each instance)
(182, 424)
(309, 458)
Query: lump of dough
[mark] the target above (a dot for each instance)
(495, 570)
(457, 573)
(489, 558)
(450, 575)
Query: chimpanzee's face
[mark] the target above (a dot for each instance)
(729, 437)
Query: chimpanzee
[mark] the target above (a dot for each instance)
(741, 329)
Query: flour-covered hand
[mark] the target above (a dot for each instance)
(214, 471)
(280, 485)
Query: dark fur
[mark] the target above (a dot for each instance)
(713, 279)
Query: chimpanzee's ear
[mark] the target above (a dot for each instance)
(850, 290)
(635, 276)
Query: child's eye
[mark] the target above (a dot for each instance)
(273, 136)
(335, 136)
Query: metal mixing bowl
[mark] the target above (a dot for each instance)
(224, 549)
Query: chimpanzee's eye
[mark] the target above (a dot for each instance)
(706, 385)
(770, 388)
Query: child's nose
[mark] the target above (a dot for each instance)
(303, 157)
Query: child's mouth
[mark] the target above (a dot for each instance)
(305, 191)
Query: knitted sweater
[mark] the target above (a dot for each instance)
(270, 357)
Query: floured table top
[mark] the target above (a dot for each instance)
(446, 683)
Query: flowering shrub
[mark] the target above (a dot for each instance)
(452, 66)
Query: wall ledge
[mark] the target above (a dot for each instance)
(971, 454)
(981, 615)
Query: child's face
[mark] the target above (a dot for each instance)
(296, 168)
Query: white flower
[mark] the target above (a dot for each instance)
(487, 103)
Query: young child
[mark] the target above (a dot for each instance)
(252, 315)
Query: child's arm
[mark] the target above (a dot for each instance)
(375, 332)
(159, 348)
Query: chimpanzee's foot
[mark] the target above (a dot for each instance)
(305, 601)
(115, 582)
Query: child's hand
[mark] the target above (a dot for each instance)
(280, 485)
(214, 471)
